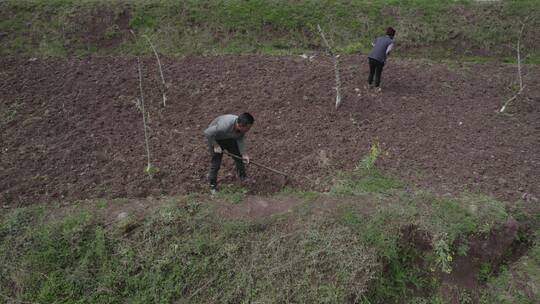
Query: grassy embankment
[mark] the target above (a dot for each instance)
(348, 244)
(466, 30)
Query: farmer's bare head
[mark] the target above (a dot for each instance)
(390, 32)
(244, 122)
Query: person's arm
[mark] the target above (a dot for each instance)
(241, 145)
(211, 133)
(374, 42)
(389, 48)
(242, 149)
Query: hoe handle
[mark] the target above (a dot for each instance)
(256, 164)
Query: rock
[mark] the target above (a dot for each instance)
(122, 215)
(529, 198)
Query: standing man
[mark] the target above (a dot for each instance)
(227, 133)
(381, 48)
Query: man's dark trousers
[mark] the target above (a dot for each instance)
(231, 146)
(375, 69)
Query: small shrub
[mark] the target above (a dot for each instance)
(151, 170)
(368, 162)
(443, 255)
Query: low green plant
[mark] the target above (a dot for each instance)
(366, 178)
(485, 272)
(404, 270)
(232, 194)
(151, 170)
(517, 282)
(465, 297)
(368, 162)
(113, 31)
(462, 215)
(102, 204)
(462, 250)
(8, 112)
(443, 254)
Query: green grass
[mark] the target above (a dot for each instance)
(432, 29)
(179, 252)
(448, 219)
(232, 194)
(186, 251)
(8, 112)
(302, 194)
(366, 178)
(517, 284)
(360, 183)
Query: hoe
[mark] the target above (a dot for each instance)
(258, 165)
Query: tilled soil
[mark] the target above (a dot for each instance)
(70, 129)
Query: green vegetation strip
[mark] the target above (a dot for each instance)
(425, 28)
(185, 250)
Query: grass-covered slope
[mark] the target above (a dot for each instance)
(435, 29)
(370, 240)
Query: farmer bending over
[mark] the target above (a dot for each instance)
(381, 48)
(227, 133)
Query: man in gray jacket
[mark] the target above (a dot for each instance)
(377, 57)
(227, 133)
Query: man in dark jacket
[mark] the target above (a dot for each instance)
(377, 57)
(227, 133)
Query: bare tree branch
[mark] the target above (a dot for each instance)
(336, 66)
(163, 86)
(519, 57)
(149, 166)
(519, 70)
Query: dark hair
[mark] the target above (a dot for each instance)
(390, 31)
(246, 119)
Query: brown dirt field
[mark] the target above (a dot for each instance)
(70, 129)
